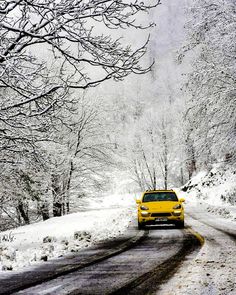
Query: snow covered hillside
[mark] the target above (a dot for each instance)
(101, 219)
(214, 190)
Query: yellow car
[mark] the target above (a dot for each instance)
(160, 207)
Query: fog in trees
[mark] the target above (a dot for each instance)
(95, 98)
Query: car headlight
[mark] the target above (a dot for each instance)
(144, 213)
(177, 213)
(144, 207)
(178, 206)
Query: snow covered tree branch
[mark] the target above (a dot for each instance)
(82, 50)
(210, 114)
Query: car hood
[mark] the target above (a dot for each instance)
(160, 206)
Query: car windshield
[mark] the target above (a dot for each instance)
(160, 196)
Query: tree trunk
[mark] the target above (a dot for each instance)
(68, 187)
(166, 176)
(68, 206)
(57, 209)
(154, 179)
(56, 192)
(191, 166)
(23, 212)
(45, 211)
(166, 152)
(182, 176)
(18, 215)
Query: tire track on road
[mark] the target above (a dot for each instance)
(219, 228)
(212, 270)
(21, 281)
(149, 281)
(143, 281)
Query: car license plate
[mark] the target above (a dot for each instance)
(161, 219)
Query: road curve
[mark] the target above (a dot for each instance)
(33, 276)
(135, 270)
(211, 270)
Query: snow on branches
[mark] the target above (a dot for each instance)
(49, 48)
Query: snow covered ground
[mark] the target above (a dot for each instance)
(210, 211)
(99, 219)
(109, 216)
(210, 271)
(214, 192)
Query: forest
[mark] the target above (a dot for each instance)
(63, 138)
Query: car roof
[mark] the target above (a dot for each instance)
(159, 190)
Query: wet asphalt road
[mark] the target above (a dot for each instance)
(159, 260)
(137, 270)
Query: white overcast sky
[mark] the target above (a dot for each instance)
(166, 38)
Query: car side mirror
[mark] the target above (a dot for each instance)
(138, 202)
(182, 200)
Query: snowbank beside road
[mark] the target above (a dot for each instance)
(211, 211)
(102, 219)
(211, 269)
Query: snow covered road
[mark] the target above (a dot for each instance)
(132, 271)
(166, 261)
(211, 271)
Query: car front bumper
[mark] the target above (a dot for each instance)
(161, 219)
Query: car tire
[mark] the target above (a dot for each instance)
(180, 224)
(141, 225)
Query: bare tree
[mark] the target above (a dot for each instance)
(78, 56)
(80, 153)
(152, 153)
(210, 111)
(48, 50)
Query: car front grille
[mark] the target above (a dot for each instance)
(160, 214)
